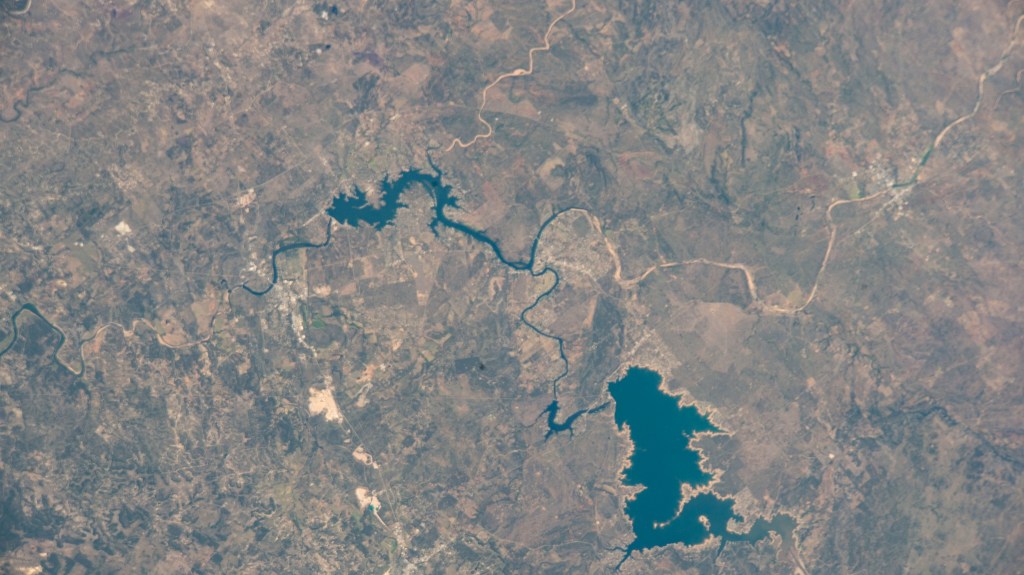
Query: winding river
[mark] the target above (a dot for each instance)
(355, 209)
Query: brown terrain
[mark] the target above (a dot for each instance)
(804, 216)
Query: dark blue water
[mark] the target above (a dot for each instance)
(555, 428)
(281, 250)
(14, 334)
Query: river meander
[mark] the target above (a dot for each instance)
(355, 209)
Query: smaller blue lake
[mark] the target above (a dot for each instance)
(663, 460)
(354, 209)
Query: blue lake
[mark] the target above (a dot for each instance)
(663, 460)
(660, 428)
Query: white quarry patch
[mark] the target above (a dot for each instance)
(297, 323)
(367, 498)
(321, 402)
(123, 228)
(247, 198)
(364, 457)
